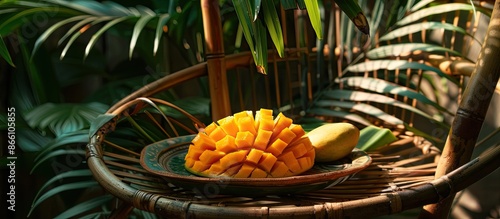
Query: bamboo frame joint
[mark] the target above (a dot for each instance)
(442, 186)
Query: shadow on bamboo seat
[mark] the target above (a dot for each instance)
(310, 81)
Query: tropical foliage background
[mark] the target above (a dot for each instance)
(66, 62)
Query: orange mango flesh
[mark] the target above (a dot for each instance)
(244, 146)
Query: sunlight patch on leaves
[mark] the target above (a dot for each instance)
(385, 87)
(361, 107)
(339, 114)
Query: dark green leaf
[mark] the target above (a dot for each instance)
(273, 25)
(192, 105)
(85, 206)
(261, 47)
(69, 174)
(289, 4)
(255, 8)
(81, 31)
(45, 35)
(88, 7)
(98, 34)
(30, 140)
(78, 137)
(352, 9)
(139, 26)
(4, 52)
(19, 19)
(162, 20)
(62, 188)
(117, 9)
(64, 118)
(396, 12)
(98, 122)
(78, 26)
(62, 152)
(301, 4)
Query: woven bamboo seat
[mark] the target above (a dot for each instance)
(400, 177)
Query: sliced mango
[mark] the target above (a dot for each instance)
(244, 146)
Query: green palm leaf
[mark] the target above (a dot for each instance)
(273, 25)
(385, 87)
(439, 9)
(360, 96)
(4, 52)
(98, 122)
(42, 38)
(361, 107)
(388, 64)
(242, 8)
(61, 152)
(420, 4)
(314, 16)
(162, 20)
(79, 25)
(289, 4)
(418, 27)
(254, 9)
(62, 176)
(87, 7)
(19, 19)
(139, 26)
(85, 206)
(339, 114)
(404, 48)
(83, 30)
(98, 34)
(64, 118)
(59, 189)
(352, 9)
(77, 137)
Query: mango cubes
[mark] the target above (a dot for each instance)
(248, 146)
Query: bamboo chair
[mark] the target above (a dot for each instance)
(400, 177)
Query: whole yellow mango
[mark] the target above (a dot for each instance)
(333, 141)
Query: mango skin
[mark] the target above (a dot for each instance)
(333, 141)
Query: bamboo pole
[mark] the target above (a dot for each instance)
(470, 114)
(219, 91)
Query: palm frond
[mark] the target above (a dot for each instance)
(85, 206)
(4, 52)
(64, 118)
(80, 15)
(385, 87)
(62, 188)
